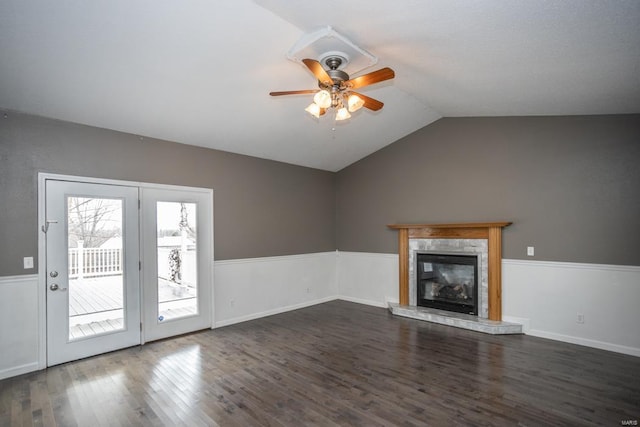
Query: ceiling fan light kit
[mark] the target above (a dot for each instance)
(354, 102)
(323, 99)
(336, 88)
(315, 110)
(342, 114)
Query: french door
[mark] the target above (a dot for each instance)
(92, 279)
(176, 261)
(125, 264)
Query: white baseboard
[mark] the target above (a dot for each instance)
(253, 316)
(362, 301)
(280, 310)
(631, 351)
(18, 370)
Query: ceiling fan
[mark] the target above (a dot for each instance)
(336, 88)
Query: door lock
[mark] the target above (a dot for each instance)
(53, 274)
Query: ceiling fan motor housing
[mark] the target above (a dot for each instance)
(338, 76)
(334, 62)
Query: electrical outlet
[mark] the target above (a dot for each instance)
(308, 290)
(232, 303)
(530, 250)
(580, 318)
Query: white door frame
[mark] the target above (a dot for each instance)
(42, 254)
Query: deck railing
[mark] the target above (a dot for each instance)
(94, 262)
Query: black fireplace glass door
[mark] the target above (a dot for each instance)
(448, 282)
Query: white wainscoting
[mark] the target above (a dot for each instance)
(547, 296)
(247, 289)
(257, 287)
(18, 325)
(368, 278)
(544, 297)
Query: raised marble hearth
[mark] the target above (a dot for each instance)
(458, 320)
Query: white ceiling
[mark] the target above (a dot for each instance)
(199, 71)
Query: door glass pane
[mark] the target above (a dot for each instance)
(177, 269)
(94, 235)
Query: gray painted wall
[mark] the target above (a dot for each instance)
(261, 207)
(571, 186)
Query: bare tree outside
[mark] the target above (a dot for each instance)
(95, 265)
(93, 221)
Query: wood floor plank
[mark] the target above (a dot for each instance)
(333, 364)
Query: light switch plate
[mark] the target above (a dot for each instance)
(28, 262)
(530, 251)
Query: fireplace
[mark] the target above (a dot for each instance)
(481, 242)
(461, 237)
(447, 281)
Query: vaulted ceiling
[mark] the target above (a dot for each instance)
(199, 71)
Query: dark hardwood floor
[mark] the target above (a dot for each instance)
(337, 363)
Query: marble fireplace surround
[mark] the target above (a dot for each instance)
(484, 239)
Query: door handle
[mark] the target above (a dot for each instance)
(55, 287)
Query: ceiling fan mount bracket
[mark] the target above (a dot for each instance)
(334, 60)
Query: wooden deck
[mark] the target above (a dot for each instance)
(96, 305)
(96, 295)
(83, 330)
(333, 364)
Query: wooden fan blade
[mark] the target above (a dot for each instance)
(316, 68)
(294, 92)
(371, 78)
(370, 103)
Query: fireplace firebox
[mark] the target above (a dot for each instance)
(447, 281)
